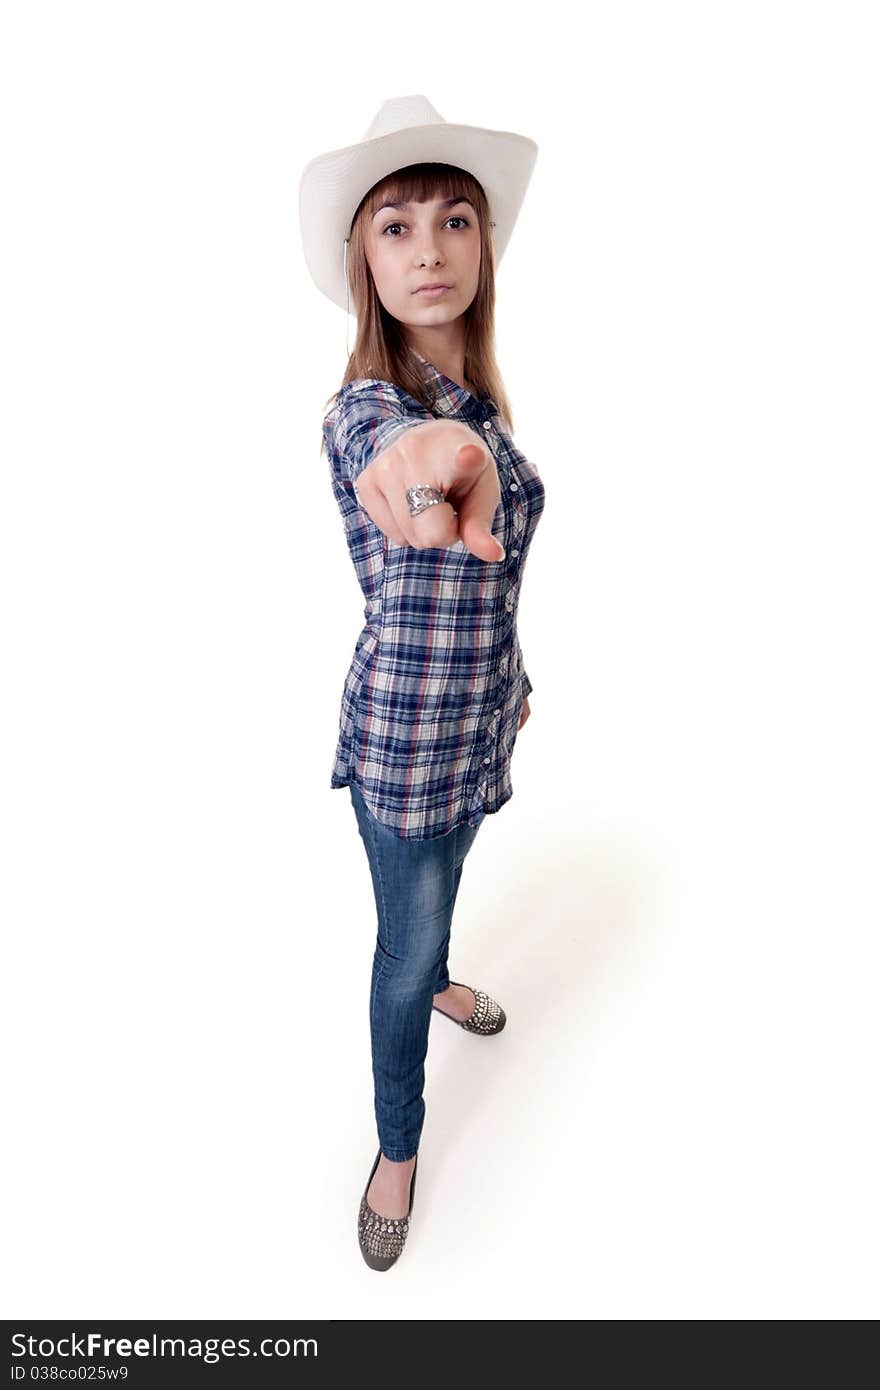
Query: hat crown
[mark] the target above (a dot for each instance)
(402, 113)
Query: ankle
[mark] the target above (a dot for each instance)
(394, 1166)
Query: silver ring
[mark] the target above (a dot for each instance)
(422, 496)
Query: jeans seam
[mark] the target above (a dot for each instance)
(378, 862)
(377, 859)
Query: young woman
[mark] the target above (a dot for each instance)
(439, 509)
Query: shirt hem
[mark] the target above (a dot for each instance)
(469, 816)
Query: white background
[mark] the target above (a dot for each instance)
(678, 908)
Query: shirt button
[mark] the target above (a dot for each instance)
(487, 424)
(485, 762)
(515, 551)
(513, 487)
(498, 711)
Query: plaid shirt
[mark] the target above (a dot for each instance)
(432, 699)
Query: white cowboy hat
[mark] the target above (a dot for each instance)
(406, 130)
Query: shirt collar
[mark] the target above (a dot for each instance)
(454, 400)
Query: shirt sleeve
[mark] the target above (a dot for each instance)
(526, 684)
(368, 417)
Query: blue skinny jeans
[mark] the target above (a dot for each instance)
(415, 883)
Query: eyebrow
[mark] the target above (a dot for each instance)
(405, 207)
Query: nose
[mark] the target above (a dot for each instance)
(429, 255)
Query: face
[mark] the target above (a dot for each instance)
(420, 244)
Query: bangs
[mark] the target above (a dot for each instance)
(421, 183)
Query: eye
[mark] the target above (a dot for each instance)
(455, 218)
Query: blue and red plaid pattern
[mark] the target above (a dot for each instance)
(432, 699)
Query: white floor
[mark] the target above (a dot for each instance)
(679, 1120)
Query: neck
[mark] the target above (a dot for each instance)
(446, 353)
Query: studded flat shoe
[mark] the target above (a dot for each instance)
(487, 1017)
(382, 1238)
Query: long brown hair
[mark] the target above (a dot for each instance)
(380, 350)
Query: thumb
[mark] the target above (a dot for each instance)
(476, 532)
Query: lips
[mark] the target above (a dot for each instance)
(438, 286)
